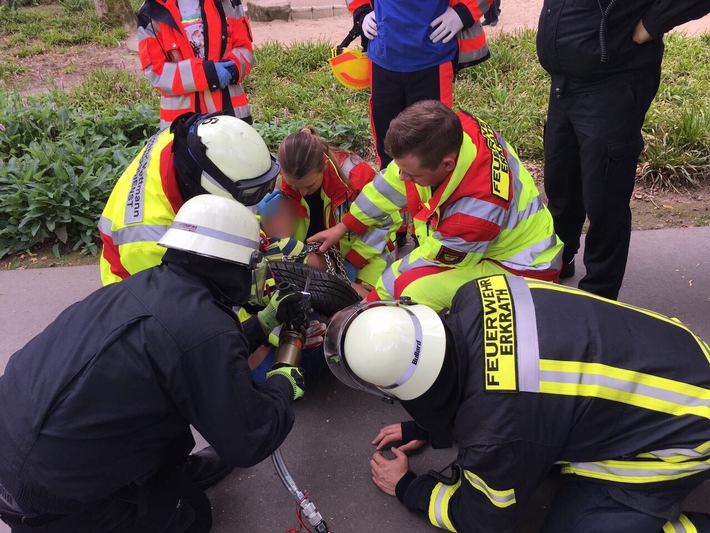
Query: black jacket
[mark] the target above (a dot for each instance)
(105, 395)
(576, 39)
(552, 375)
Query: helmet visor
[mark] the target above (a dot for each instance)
(335, 357)
(252, 191)
(260, 274)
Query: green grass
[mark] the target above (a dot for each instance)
(59, 25)
(291, 87)
(509, 91)
(30, 31)
(677, 128)
(60, 153)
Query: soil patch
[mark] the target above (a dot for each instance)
(67, 67)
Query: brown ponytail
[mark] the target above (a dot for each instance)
(301, 153)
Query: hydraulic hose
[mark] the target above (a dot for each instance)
(308, 508)
(288, 353)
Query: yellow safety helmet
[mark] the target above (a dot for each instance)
(351, 68)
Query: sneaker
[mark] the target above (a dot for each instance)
(567, 269)
(205, 468)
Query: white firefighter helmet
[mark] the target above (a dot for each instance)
(229, 157)
(386, 348)
(217, 227)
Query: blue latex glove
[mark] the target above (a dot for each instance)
(223, 72)
(265, 207)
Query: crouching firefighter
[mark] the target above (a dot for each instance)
(200, 154)
(525, 375)
(95, 424)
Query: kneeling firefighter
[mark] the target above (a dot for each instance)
(526, 375)
(95, 425)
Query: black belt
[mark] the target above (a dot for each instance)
(16, 519)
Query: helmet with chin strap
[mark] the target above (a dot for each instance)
(222, 155)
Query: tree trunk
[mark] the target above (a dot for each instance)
(116, 12)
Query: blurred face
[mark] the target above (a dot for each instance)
(308, 184)
(281, 223)
(411, 169)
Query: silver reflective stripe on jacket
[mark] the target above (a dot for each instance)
(131, 234)
(528, 347)
(135, 201)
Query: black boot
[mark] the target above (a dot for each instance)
(567, 268)
(205, 468)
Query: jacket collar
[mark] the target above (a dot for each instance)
(162, 11)
(334, 187)
(450, 189)
(333, 190)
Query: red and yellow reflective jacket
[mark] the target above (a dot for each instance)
(186, 82)
(487, 212)
(337, 195)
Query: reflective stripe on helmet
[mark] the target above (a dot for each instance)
(216, 234)
(418, 336)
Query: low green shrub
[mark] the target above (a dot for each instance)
(58, 167)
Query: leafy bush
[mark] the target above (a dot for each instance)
(61, 166)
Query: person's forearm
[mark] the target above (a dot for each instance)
(664, 15)
(465, 13)
(415, 492)
(204, 77)
(255, 334)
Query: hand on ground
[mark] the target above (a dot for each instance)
(393, 433)
(386, 473)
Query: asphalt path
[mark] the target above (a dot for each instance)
(329, 449)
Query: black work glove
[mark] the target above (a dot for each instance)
(283, 308)
(359, 15)
(294, 375)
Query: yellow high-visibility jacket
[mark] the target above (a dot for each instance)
(139, 211)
